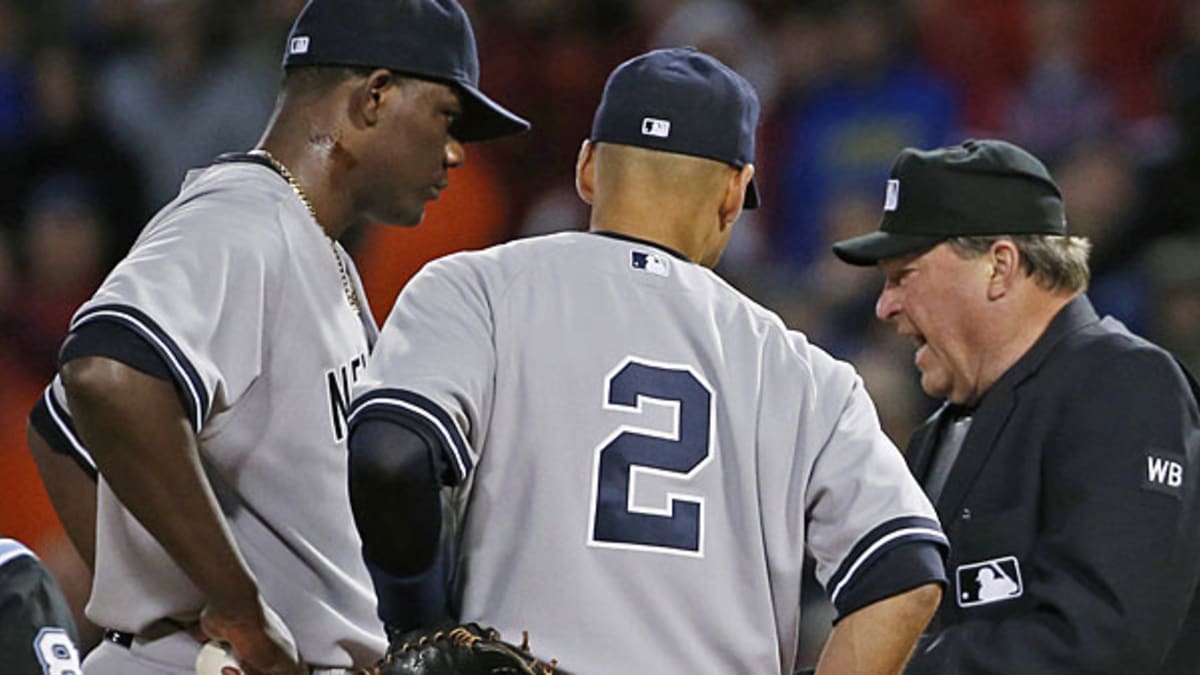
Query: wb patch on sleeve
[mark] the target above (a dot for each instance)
(1164, 472)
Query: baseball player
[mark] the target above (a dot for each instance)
(208, 379)
(639, 456)
(37, 633)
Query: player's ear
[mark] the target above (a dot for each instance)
(585, 172)
(370, 94)
(735, 195)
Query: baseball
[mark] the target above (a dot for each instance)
(216, 658)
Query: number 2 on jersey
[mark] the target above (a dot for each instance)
(630, 452)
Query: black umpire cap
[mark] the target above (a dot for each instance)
(684, 101)
(429, 39)
(979, 188)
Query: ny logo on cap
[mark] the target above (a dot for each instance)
(656, 127)
(298, 45)
(892, 200)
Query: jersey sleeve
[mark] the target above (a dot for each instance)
(52, 421)
(870, 527)
(196, 287)
(434, 365)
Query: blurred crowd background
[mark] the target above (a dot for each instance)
(105, 104)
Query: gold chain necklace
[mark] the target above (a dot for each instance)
(347, 285)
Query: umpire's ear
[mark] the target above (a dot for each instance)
(585, 172)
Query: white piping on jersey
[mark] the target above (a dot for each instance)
(66, 429)
(445, 433)
(164, 349)
(10, 549)
(891, 536)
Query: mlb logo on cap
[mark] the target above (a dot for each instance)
(682, 101)
(988, 581)
(298, 45)
(655, 127)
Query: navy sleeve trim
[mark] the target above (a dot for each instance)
(54, 424)
(184, 373)
(415, 408)
(879, 541)
(118, 342)
(902, 568)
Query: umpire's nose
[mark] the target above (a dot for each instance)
(888, 304)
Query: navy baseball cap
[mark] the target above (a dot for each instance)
(430, 39)
(684, 101)
(979, 188)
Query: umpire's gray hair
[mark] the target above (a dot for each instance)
(1055, 262)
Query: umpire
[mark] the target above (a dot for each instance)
(1063, 462)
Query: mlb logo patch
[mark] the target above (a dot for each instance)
(650, 262)
(989, 581)
(298, 45)
(892, 199)
(656, 127)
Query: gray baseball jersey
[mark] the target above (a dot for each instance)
(641, 456)
(237, 289)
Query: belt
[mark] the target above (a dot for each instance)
(125, 640)
(118, 638)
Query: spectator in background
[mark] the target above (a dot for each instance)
(1099, 186)
(982, 48)
(184, 98)
(1171, 265)
(842, 138)
(1060, 102)
(566, 50)
(1055, 71)
(70, 139)
(15, 78)
(103, 30)
(64, 242)
(1169, 203)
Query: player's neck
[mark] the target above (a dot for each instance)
(655, 235)
(675, 232)
(310, 164)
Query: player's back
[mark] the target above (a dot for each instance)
(639, 440)
(616, 495)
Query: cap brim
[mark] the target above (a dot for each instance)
(752, 199)
(483, 119)
(871, 248)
